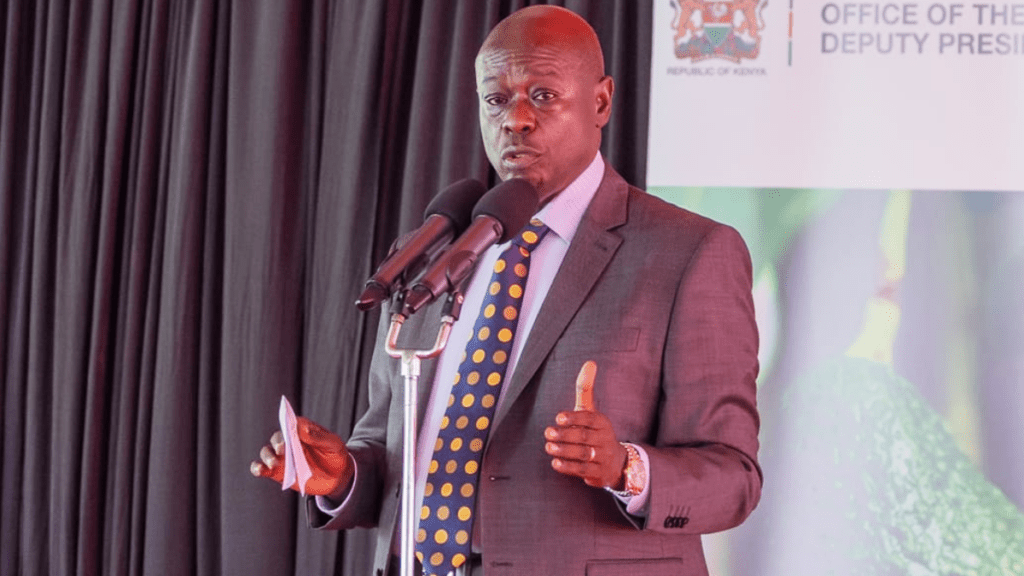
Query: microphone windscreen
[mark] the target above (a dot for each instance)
(511, 203)
(456, 203)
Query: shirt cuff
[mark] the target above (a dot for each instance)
(330, 508)
(637, 505)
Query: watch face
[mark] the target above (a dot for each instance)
(636, 475)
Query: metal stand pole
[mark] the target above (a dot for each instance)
(411, 373)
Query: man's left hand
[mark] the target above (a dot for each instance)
(583, 444)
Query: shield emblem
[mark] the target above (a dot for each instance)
(726, 29)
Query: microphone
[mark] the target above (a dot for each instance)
(447, 215)
(500, 214)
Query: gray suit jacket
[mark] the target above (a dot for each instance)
(661, 299)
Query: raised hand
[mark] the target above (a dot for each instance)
(582, 442)
(325, 452)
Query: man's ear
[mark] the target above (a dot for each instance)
(603, 92)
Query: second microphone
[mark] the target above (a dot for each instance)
(497, 217)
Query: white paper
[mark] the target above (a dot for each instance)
(295, 464)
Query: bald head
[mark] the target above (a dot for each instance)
(551, 27)
(544, 97)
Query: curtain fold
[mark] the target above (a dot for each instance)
(192, 195)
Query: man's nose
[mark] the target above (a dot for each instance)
(521, 118)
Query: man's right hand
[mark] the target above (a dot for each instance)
(325, 452)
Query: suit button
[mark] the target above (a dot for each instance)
(676, 521)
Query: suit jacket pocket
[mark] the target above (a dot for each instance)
(591, 342)
(634, 566)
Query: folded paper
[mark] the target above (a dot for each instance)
(295, 465)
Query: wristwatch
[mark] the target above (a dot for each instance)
(634, 472)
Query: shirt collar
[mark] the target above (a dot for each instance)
(564, 212)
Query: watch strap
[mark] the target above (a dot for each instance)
(635, 473)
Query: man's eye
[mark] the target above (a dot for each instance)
(495, 100)
(544, 96)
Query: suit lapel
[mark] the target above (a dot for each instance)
(589, 253)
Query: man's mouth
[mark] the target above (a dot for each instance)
(513, 158)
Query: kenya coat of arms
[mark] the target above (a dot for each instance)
(729, 29)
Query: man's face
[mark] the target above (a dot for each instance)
(541, 114)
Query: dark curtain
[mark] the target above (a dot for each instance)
(192, 195)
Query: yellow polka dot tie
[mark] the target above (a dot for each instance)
(449, 498)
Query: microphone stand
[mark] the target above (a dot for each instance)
(411, 373)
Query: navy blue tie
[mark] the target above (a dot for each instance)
(449, 497)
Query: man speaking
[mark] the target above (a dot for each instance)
(520, 470)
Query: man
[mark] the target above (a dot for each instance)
(657, 296)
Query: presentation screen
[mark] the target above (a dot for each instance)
(811, 94)
(870, 155)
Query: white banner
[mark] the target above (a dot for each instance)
(813, 94)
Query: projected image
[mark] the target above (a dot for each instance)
(892, 380)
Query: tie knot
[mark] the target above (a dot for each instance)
(531, 235)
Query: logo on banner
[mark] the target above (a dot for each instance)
(728, 29)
